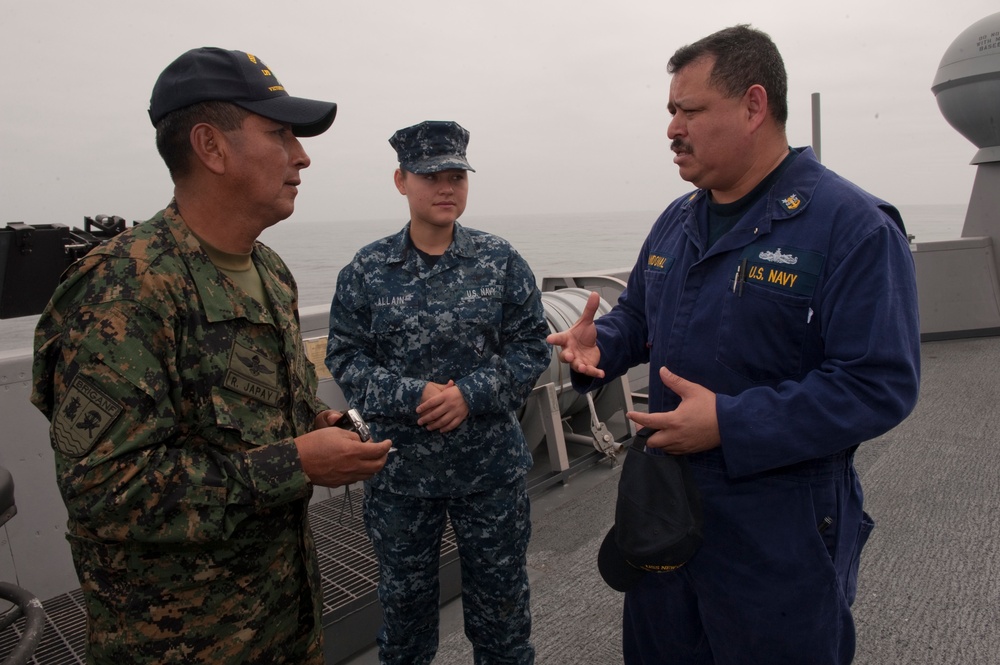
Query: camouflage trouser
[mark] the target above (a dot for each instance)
(173, 604)
(492, 529)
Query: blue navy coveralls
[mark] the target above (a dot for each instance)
(475, 317)
(803, 319)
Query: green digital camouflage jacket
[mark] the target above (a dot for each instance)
(173, 399)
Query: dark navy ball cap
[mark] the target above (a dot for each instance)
(213, 74)
(658, 516)
(616, 570)
(432, 146)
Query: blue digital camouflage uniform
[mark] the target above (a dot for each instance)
(174, 398)
(474, 317)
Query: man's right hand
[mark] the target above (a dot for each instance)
(579, 343)
(332, 457)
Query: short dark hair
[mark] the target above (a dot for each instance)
(173, 131)
(744, 56)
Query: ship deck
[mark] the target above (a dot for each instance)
(927, 588)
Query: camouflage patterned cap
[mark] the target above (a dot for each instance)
(431, 146)
(211, 74)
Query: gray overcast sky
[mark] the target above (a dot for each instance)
(565, 99)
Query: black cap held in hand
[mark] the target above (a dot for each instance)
(658, 517)
(212, 74)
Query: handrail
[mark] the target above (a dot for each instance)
(30, 607)
(25, 603)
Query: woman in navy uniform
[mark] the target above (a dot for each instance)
(437, 335)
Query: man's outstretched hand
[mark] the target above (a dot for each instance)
(579, 344)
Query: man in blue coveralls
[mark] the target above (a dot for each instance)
(785, 298)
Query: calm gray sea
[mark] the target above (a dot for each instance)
(552, 245)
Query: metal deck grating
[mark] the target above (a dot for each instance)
(63, 638)
(347, 567)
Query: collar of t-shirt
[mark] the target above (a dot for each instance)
(239, 268)
(429, 259)
(722, 217)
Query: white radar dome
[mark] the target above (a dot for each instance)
(967, 87)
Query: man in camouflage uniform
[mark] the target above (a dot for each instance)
(186, 428)
(437, 336)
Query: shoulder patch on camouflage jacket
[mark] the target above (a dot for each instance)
(83, 417)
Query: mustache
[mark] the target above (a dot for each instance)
(678, 145)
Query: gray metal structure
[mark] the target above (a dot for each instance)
(957, 280)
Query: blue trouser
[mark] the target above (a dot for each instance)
(492, 529)
(773, 581)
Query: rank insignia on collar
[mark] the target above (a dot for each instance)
(791, 202)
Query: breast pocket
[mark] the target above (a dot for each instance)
(397, 332)
(245, 422)
(655, 303)
(478, 322)
(762, 333)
